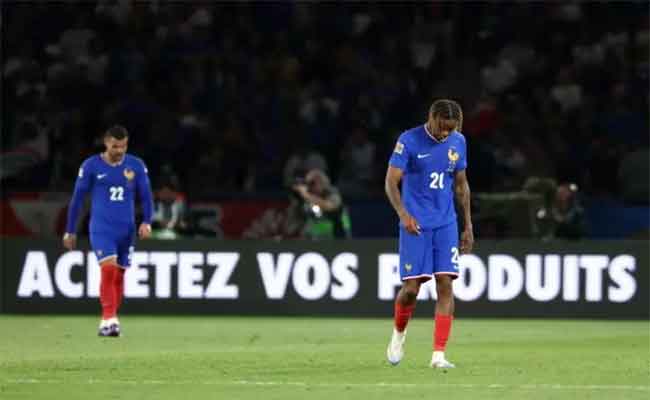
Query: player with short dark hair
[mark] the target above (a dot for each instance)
(112, 178)
(430, 162)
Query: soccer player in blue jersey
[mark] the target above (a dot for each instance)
(112, 178)
(430, 162)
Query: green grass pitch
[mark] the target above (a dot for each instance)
(60, 357)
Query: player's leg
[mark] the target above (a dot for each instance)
(106, 291)
(446, 270)
(405, 303)
(111, 273)
(119, 288)
(404, 306)
(415, 268)
(443, 320)
(105, 249)
(124, 257)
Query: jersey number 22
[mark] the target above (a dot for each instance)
(117, 193)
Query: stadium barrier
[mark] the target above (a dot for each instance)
(514, 278)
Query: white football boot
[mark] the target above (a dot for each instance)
(395, 350)
(438, 360)
(114, 324)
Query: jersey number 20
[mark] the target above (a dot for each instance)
(117, 193)
(437, 180)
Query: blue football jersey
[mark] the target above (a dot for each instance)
(429, 167)
(113, 191)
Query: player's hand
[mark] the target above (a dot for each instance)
(70, 241)
(466, 241)
(144, 231)
(301, 189)
(410, 224)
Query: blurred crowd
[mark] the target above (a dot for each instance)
(246, 97)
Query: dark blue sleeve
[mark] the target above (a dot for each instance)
(144, 191)
(81, 188)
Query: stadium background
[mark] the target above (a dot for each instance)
(230, 103)
(225, 100)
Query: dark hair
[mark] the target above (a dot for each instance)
(117, 131)
(448, 109)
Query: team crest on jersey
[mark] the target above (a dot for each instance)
(408, 267)
(399, 148)
(453, 156)
(129, 173)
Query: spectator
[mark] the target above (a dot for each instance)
(169, 213)
(499, 76)
(33, 148)
(74, 42)
(566, 92)
(560, 215)
(567, 213)
(222, 65)
(322, 205)
(357, 164)
(301, 161)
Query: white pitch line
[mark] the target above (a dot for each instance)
(534, 386)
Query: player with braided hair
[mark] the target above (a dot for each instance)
(430, 162)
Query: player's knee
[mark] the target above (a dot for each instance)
(410, 292)
(444, 288)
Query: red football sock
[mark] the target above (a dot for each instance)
(402, 315)
(107, 291)
(441, 333)
(119, 288)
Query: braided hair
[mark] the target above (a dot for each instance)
(448, 109)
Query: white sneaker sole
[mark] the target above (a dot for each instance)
(392, 359)
(441, 365)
